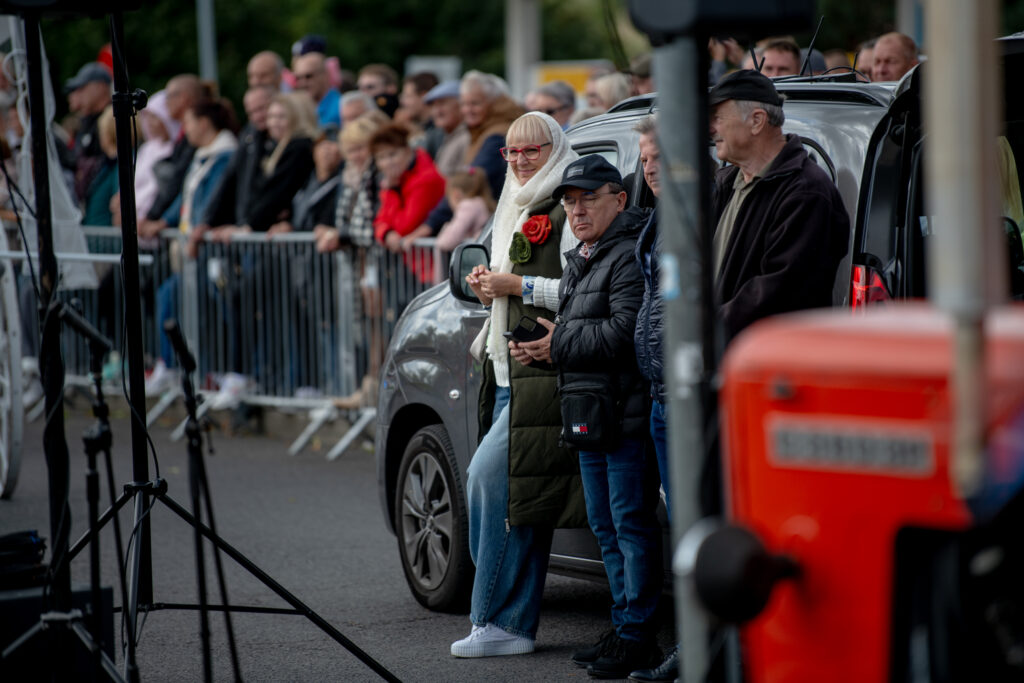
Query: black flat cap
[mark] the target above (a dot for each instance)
(746, 84)
(587, 173)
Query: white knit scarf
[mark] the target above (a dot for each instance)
(513, 210)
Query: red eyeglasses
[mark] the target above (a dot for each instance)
(531, 152)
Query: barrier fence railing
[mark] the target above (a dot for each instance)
(300, 329)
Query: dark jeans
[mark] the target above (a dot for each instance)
(621, 494)
(660, 437)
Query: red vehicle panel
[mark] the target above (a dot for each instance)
(836, 435)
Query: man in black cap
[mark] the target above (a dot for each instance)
(781, 227)
(89, 93)
(604, 407)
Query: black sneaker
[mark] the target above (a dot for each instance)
(589, 655)
(666, 672)
(627, 656)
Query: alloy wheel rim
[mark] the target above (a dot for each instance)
(427, 520)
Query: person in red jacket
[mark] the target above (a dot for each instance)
(410, 188)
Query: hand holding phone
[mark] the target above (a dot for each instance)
(526, 331)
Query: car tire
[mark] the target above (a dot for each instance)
(432, 523)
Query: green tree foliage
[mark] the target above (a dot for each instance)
(161, 38)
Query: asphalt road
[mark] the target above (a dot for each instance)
(316, 527)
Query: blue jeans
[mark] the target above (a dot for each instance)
(167, 307)
(511, 561)
(621, 498)
(660, 438)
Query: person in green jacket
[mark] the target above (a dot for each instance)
(521, 485)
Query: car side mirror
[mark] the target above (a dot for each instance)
(464, 259)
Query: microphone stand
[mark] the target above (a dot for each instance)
(97, 439)
(199, 488)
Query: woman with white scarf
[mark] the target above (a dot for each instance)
(521, 485)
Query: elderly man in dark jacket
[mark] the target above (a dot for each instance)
(604, 408)
(781, 227)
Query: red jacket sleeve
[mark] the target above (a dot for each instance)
(405, 209)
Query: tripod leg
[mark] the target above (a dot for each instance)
(131, 608)
(204, 615)
(92, 487)
(105, 664)
(118, 542)
(232, 648)
(273, 585)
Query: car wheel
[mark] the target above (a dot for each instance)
(432, 523)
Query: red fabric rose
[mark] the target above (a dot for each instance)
(537, 229)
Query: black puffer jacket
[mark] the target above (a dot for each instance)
(647, 337)
(594, 335)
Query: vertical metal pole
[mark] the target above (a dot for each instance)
(683, 140)
(141, 570)
(206, 26)
(51, 362)
(522, 43)
(964, 260)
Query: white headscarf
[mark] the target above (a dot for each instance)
(513, 209)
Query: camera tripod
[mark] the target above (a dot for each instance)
(142, 492)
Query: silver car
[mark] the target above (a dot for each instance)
(427, 411)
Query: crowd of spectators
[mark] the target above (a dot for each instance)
(372, 163)
(338, 152)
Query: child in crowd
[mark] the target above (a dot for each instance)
(469, 195)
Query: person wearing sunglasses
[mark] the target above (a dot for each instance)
(521, 484)
(557, 99)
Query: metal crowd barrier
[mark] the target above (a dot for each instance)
(303, 328)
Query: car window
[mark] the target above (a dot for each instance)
(611, 154)
(818, 156)
(922, 226)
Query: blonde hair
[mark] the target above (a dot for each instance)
(1009, 183)
(360, 130)
(107, 128)
(302, 122)
(528, 128)
(473, 183)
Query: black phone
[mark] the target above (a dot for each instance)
(527, 330)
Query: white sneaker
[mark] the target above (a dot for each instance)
(232, 386)
(491, 641)
(160, 379)
(31, 386)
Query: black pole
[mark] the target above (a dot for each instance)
(124, 111)
(52, 365)
(92, 487)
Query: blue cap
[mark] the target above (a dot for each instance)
(93, 71)
(441, 91)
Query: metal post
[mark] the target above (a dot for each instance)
(51, 361)
(141, 571)
(206, 26)
(522, 43)
(961, 114)
(683, 143)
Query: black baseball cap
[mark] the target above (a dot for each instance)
(587, 173)
(745, 84)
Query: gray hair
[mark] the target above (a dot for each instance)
(561, 91)
(776, 117)
(490, 85)
(612, 88)
(357, 96)
(648, 125)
